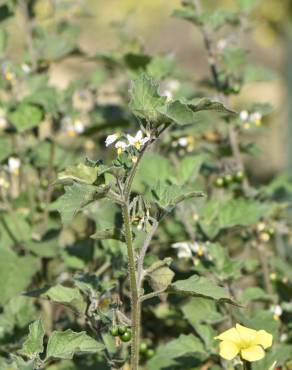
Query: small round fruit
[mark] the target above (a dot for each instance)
(150, 353)
(114, 331)
(228, 179)
(122, 329)
(219, 182)
(143, 347)
(239, 176)
(236, 89)
(126, 337)
(271, 231)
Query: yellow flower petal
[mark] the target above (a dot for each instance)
(231, 335)
(247, 335)
(252, 353)
(228, 350)
(263, 338)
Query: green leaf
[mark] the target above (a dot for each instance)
(80, 173)
(160, 275)
(75, 198)
(21, 364)
(179, 113)
(65, 344)
(15, 274)
(166, 355)
(216, 216)
(199, 286)
(145, 99)
(25, 117)
(46, 97)
(112, 233)
(33, 345)
(206, 104)
(254, 294)
(198, 310)
(70, 297)
(6, 148)
(189, 169)
(168, 196)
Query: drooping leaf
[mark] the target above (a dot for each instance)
(33, 345)
(81, 173)
(67, 343)
(206, 104)
(113, 233)
(179, 113)
(199, 286)
(254, 294)
(160, 275)
(70, 297)
(75, 198)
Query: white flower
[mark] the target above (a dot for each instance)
(26, 68)
(198, 249)
(277, 311)
(14, 165)
(184, 249)
(183, 141)
(244, 115)
(120, 146)
(111, 139)
(138, 140)
(78, 126)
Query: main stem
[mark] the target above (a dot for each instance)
(246, 365)
(135, 303)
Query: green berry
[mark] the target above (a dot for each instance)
(143, 347)
(236, 89)
(114, 331)
(126, 337)
(219, 182)
(150, 353)
(122, 330)
(271, 231)
(239, 176)
(228, 179)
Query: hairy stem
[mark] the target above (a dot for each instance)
(135, 303)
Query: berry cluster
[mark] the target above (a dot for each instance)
(121, 331)
(228, 179)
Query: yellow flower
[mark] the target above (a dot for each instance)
(249, 343)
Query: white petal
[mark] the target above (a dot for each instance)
(111, 139)
(244, 115)
(121, 144)
(138, 136)
(131, 139)
(13, 163)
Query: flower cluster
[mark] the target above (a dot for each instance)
(249, 119)
(248, 343)
(123, 142)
